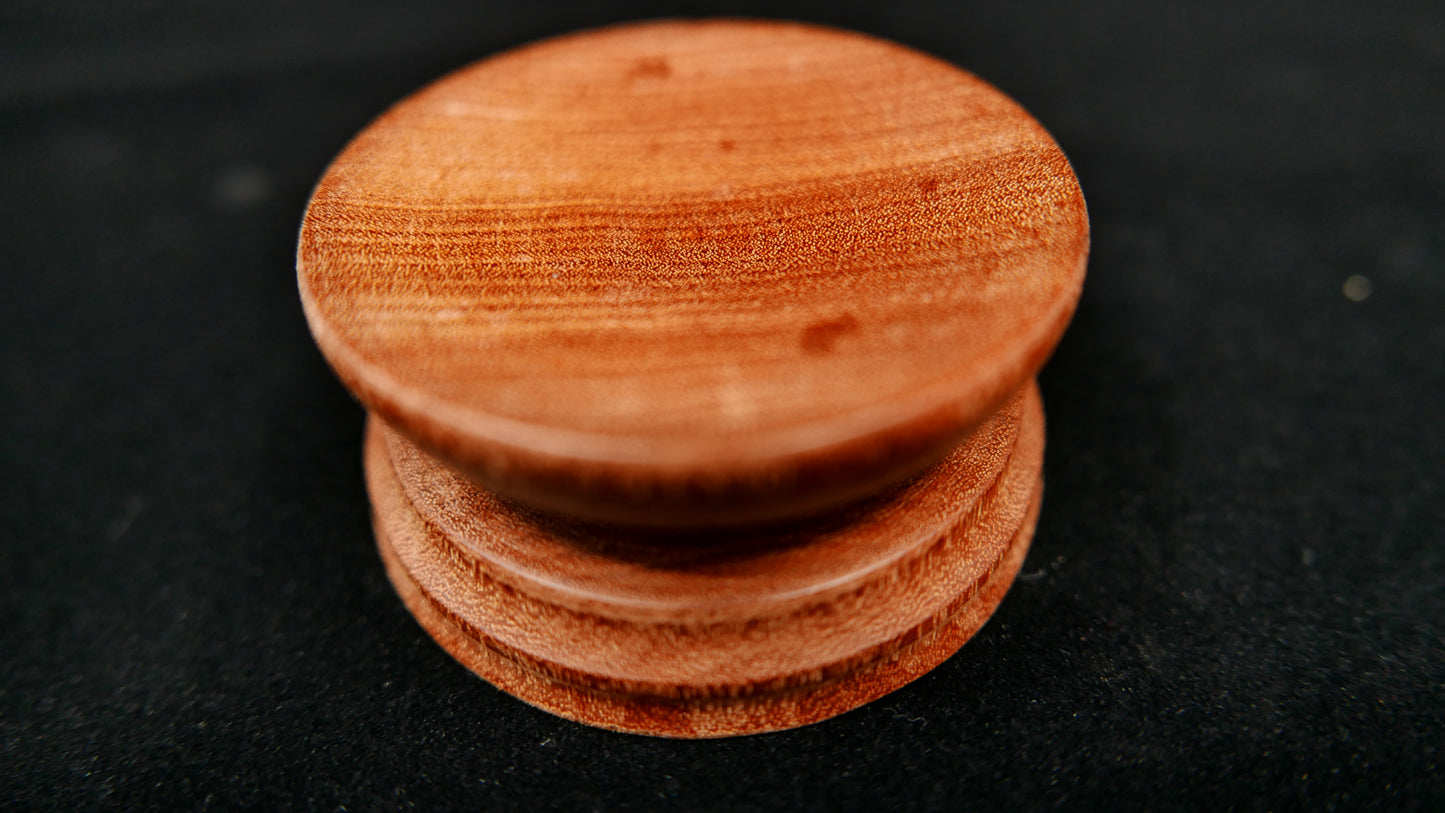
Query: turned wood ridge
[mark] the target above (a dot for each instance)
(700, 359)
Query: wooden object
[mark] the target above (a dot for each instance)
(700, 359)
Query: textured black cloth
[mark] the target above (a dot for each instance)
(1235, 596)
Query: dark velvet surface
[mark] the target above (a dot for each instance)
(1235, 596)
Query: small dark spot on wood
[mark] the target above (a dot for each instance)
(820, 337)
(727, 145)
(651, 68)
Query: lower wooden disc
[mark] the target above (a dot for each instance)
(697, 634)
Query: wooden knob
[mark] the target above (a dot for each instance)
(700, 360)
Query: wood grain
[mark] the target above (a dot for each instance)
(826, 616)
(694, 273)
(700, 363)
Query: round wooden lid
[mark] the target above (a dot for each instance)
(694, 272)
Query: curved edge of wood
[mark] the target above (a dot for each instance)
(853, 461)
(721, 717)
(759, 580)
(776, 474)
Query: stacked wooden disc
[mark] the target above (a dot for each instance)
(700, 363)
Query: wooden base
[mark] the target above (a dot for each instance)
(711, 633)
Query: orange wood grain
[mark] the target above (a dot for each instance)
(728, 575)
(700, 361)
(783, 633)
(694, 272)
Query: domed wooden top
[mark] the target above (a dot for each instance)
(694, 272)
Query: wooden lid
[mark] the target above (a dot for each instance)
(694, 272)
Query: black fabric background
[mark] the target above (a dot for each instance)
(1234, 599)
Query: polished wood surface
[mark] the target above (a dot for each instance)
(700, 359)
(669, 634)
(694, 273)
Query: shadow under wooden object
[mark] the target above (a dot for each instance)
(700, 360)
